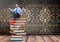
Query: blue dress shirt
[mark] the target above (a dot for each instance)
(17, 10)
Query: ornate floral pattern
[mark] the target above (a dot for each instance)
(43, 19)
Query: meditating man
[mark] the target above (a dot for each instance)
(17, 12)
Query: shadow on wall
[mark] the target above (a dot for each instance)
(4, 28)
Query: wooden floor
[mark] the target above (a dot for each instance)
(4, 38)
(34, 38)
(42, 38)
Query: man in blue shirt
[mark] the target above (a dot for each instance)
(17, 12)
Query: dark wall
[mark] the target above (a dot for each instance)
(39, 1)
(9, 3)
(6, 3)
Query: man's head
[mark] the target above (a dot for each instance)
(17, 5)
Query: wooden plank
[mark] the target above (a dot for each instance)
(2, 37)
(47, 39)
(25, 38)
(43, 38)
(31, 38)
(58, 36)
(6, 39)
(55, 39)
(39, 39)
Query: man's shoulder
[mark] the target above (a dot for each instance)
(19, 7)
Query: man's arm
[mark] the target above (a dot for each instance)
(12, 10)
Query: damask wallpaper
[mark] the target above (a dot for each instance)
(43, 19)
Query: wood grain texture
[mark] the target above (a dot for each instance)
(39, 39)
(42, 38)
(4, 38)
(34, 38)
